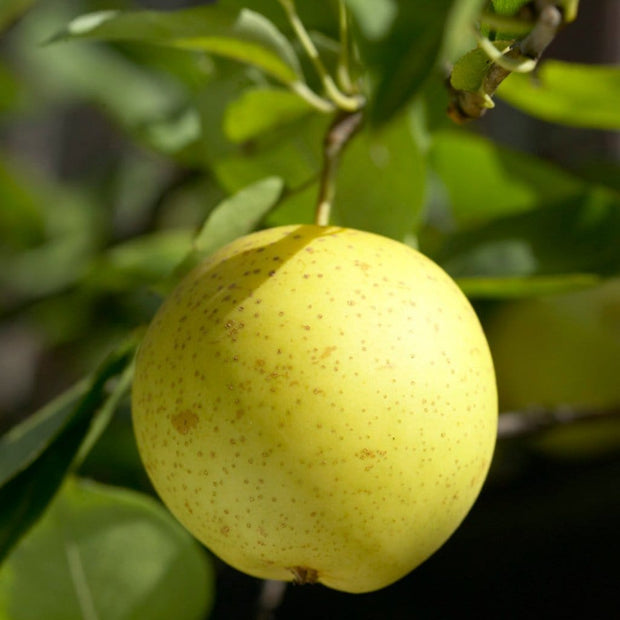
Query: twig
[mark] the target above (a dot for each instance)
(338, 135)
(271, 597)
(340, 99)
(514, 424)
(522, 56)
(344, 60)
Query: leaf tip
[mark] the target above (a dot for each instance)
(82, 25)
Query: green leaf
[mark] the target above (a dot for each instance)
(141, 261)
(233, 218)
(568, 93)
(470, 70)
(24, 443)
(460, 29)
(508, 7)
(519, 287)
(404, 57)
(141, 99)
(375, 18)
(381, 181)
(261, 110)
(242, 35)
(573, 236)
(294, 155)
(107, 553)
(10, 10)
(485, 180)
(41, 453)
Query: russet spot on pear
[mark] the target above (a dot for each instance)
(317, 404)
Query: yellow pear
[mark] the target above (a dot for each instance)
(317, 404)
(562, 352)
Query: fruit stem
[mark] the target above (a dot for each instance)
(513, 424)
(344, 127)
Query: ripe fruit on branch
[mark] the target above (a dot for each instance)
(317, 404)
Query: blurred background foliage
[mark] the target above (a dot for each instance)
(114, 154)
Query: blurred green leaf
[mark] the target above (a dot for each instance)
(293, 153)
(602, 172)
(46, 269)
(141, 261)
(10, 89)
(375, 18)
(71, 228)
(135, 96)
(402, 59)
(381, 181)
(21, 220)
(519, 287)
(470, 70)
(23, 444)
(234, 217)
(485, 180)
(573, 236)
(10, 10)
(104, 552)
(260, 110)
(40, 454)
(460, 28)
(568, 93)
(245, 36)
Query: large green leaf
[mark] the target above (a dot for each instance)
(23, 444)
(575, 236)
(568, 93)
(293, 153)
(381, 182)
(261, 110)
(106, 553)
(401, 59)
(234, 217)
(38, 455)
(242, 35)
(485, 180)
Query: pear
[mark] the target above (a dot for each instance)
(317, 404)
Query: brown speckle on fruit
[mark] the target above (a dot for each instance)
(184, 421)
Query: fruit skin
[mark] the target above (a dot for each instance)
(317, 404)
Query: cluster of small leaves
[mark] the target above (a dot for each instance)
(512, 36)
(221, 117)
